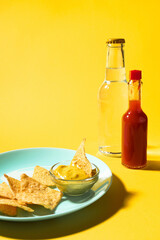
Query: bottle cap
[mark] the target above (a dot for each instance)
(116, 40)
(135, 75)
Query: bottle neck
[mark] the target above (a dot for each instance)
(115, 66)
(134, 90)
(115, 56)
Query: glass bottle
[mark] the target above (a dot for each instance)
(134, 126)
(112, 99)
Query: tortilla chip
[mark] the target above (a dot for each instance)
(14, 184)
(8, 210)
(42, 175)
(81, 161)
(5, 191)
(13, 203)
(33, 192)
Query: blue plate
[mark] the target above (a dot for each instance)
(16, 162)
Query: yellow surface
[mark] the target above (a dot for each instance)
(52, 62)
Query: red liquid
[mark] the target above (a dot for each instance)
(134, 136)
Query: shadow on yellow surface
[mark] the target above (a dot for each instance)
(152, 165)
(116, 198)
(153, 153)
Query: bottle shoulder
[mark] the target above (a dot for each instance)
(144, 115)
(112, 85)
(135, 116)
(113, 91)
(113, 82)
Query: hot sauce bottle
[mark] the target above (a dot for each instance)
(134, 126)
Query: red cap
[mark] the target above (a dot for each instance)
(135, 75)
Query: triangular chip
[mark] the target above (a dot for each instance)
(8, 210)
(14, 184)
(13, 203)
(42, 175)
(5, 191)
(81, 161)
(33, 192)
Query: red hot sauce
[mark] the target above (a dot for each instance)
(134, 127)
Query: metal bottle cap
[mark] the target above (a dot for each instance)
(115, 40)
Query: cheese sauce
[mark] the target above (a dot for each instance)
(70, 172)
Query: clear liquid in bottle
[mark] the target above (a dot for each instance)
(112, 101)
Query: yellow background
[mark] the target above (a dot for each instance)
(52, 62)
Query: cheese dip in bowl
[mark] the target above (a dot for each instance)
(72, 180)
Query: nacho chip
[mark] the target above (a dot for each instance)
(13, 203)
(81, 161)
(14, 185)
(42, 175)
(8, 210)
(33, 192)
(5, 191)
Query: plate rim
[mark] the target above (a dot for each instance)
(52, 216)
